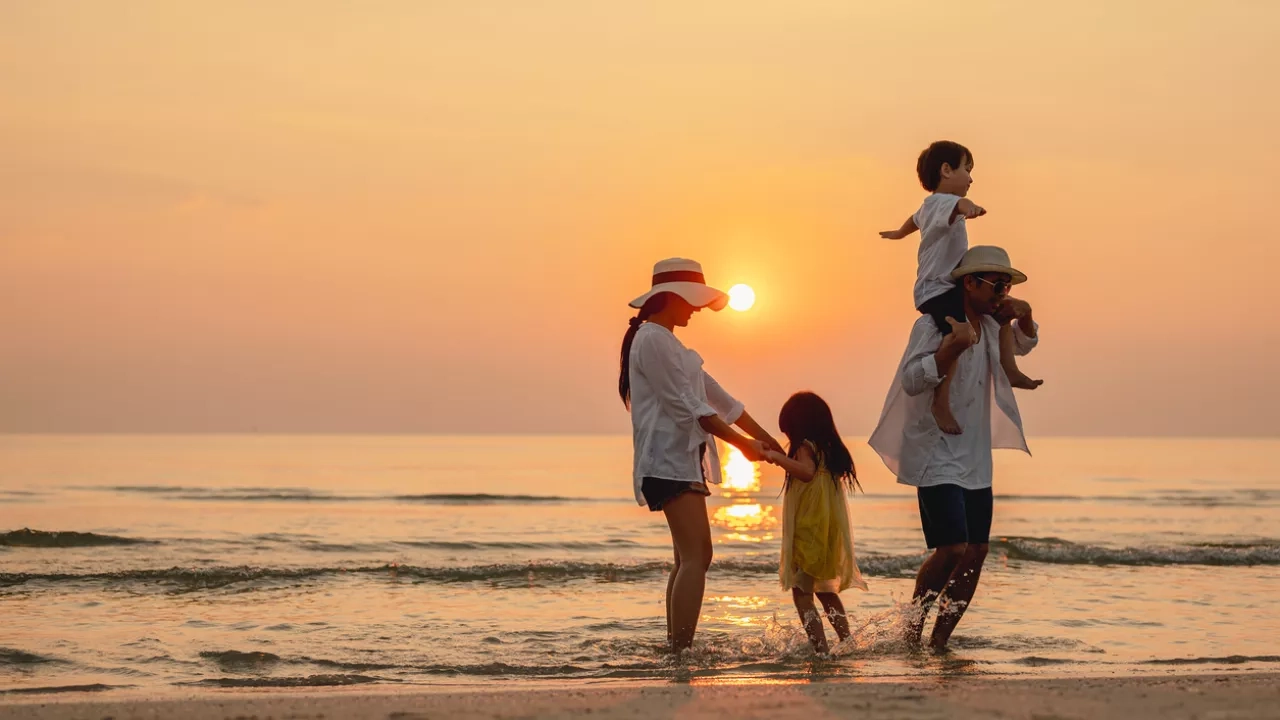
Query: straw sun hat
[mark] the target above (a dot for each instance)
(987, 259)
(684, 278)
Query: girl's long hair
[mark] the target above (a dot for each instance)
(651, 306)
(807, 417)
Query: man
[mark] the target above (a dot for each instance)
(952, 473)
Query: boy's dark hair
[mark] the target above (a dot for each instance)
(929, 166)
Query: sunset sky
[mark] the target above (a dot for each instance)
(322, 216)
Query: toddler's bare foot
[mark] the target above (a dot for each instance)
(942, 415)
(1023, 382)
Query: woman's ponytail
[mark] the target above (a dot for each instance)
(652, 305)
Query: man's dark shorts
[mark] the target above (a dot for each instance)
(950, 515)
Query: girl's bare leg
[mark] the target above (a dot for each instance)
(835, 613)
(811, 620)
(691, 533)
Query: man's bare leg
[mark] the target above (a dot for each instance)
(930, 582)
(958, 593)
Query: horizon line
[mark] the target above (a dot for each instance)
(361, 433)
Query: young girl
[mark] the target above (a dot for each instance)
(817, 543)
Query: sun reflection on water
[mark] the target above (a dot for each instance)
(745, 520)
(740, 474)
(738, 610)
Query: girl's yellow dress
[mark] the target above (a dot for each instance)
(817, 541)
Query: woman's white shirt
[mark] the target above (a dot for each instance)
(669, 393)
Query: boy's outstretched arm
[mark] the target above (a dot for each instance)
(967, 208)
(907, 228)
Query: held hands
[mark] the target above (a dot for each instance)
(772, 450)
(767, 450)
(771, 444)
(754, 450)
(774, 457)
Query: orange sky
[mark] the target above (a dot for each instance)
(429, 217)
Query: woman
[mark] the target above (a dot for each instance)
(676, 408)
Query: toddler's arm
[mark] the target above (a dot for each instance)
(967, 208)
(907, 228)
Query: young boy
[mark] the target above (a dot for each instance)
(944, 170)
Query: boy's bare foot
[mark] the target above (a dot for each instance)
(942, 415)
(1023, 382)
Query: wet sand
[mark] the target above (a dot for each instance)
(1134, 698)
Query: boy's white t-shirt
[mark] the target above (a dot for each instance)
(942, 245)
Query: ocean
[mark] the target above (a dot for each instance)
(169, 562)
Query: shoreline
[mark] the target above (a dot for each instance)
(1162, 697)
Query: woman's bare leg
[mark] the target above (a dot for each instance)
(691, 534)
(671, 583)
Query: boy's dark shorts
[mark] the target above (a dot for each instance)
(949, 304)
(950, 514)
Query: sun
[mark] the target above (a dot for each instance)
(739, 472)
(741, 297)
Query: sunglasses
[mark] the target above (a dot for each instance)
(998, 287)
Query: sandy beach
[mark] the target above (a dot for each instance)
(1135, 698)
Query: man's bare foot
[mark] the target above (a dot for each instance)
(914, 630)
(942, 415)
(914, 616)
(940, 636)
(1023, 382)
